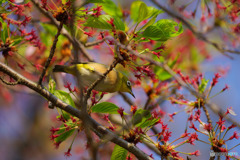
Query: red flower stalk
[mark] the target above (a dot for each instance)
(68, 154)
(53, 130)
(120, 111)
(68, 86)
(215, 79)
(235, 135)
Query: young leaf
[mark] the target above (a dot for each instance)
(142, 13)
(105, 107)
(63, 134)
(101, 22)
(162, 30)
(4, 32)
(203, 85)
(140, 116)
(64, 96)
(51, 85)
(111, 8)
(119, 153)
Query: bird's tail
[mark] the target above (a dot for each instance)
(59, 68)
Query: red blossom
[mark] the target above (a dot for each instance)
(166, 136)
(220, 122)
(193, 127)
(208, 127)
(225, 88)
(235, 135)
(111, 22)
(120, 111)
(68, 86)
(57, 144)
(232, 126)
(90, 34)
(133, 109)
(106, 117)
(192, 138)
(53, 130)
(196, 153)
(185, 134)
(215, 79)
(171, 115)
(21, 66)
(68, 154)
(52, 137)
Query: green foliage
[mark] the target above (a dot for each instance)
(142, 118)
(203, 85)
(63, 133)
(119, 153)
(101, 22)
(111, 8)
(162, 30)
(105, 107)
(4, 31)
(52, 85)
(140, 11)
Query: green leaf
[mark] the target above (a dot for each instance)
(162, 30)
(111, 8)
(147, 123)
(142, 13)
(101, 22)
(16, 41)
(105, 107)
(4, 32)
(52, 85)
(64, 1)
(119, 153)
(149, 23)
(63, 134)
(140, 116)
(64, 96)
(203, 85)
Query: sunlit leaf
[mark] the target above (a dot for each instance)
(101, 22)
(163, 30)
(105, 107)
(119, 153)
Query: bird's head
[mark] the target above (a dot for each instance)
(126, 86)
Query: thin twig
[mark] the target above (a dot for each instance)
(52, 51)
(9, 83)
(90, 44)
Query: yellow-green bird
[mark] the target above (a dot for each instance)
(91, 71)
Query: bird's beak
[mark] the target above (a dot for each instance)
(131, 92)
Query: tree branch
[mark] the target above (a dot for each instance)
(52, 51)
(96, 127)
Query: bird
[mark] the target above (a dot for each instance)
(91, 71)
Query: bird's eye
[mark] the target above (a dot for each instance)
(128, 83)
